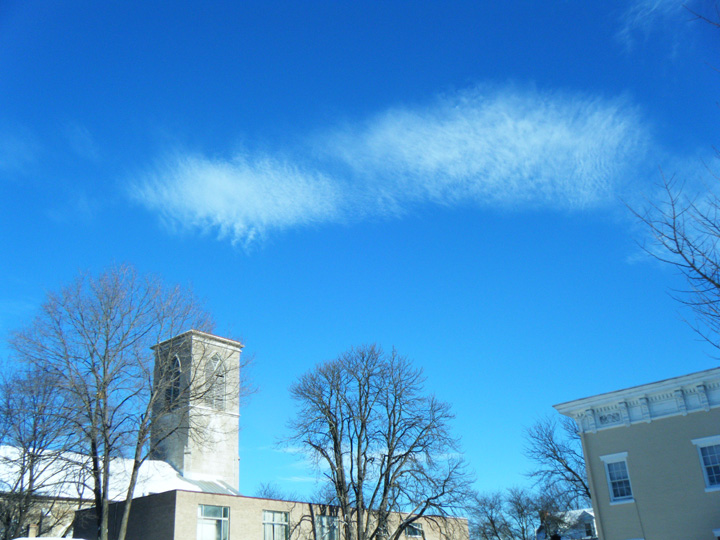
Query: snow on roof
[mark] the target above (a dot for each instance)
(573, 516)
(66, 475)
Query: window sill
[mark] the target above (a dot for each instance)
(712, 488)
(621, 501)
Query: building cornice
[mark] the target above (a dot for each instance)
(678, 396)
(204, 337)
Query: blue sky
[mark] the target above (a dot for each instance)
(448, 178)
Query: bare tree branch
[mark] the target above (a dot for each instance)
(381, 442)
(557, 453)
(35, 439)
(518, 513)
(686, 234)
(93, 340)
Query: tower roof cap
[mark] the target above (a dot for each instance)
(202, 336)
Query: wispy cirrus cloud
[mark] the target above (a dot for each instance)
(19, 152)
(496, 147)
(300, 479)
(487, 147)
(81, 141)
(642, 16)
(242, 198)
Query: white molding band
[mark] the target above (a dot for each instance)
(679, 396)
(614, 458)
(707, 441)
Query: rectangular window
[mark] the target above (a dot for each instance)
(414, 530)
(711, 461)
(326, 528)
(709, 450)
(618, 478)
(275, 525)
(213, 522)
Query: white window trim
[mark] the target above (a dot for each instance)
(616, 458)
(285, 522)
(223, 519)
(701, 443)
(417, 527)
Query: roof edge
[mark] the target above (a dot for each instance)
(206, 336)
(699, 377)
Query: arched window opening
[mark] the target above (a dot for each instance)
(172, 390)
(215, 378)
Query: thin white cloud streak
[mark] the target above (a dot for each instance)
(642, 16)
(501, 147)
(693, 180)
(504, 147)
(81, 141)
(77, 207)
(300, 479)
(242, 198)
(643, 13)
(19, 152)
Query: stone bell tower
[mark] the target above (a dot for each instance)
(196, 416)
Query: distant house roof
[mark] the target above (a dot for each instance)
(575, 516)
(571, 524)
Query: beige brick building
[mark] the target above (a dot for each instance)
(186, 515)
(652, 454)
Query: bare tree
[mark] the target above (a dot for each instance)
(93, 338)
(713, 20)
(556, 450)
(510, 515)
(553, 504)
(381, 442)
(686, 234)
(273, 491)
(517, 514)
(33, 457)
(522, 509)
(489, 521)
(685, 228)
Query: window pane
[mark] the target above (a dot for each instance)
(327, 528)
(619, 480)
(206, 530)
(274, 517)
(711, 462)
(213, 522)
(211, 511)
(275, 525)
(414, 529)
